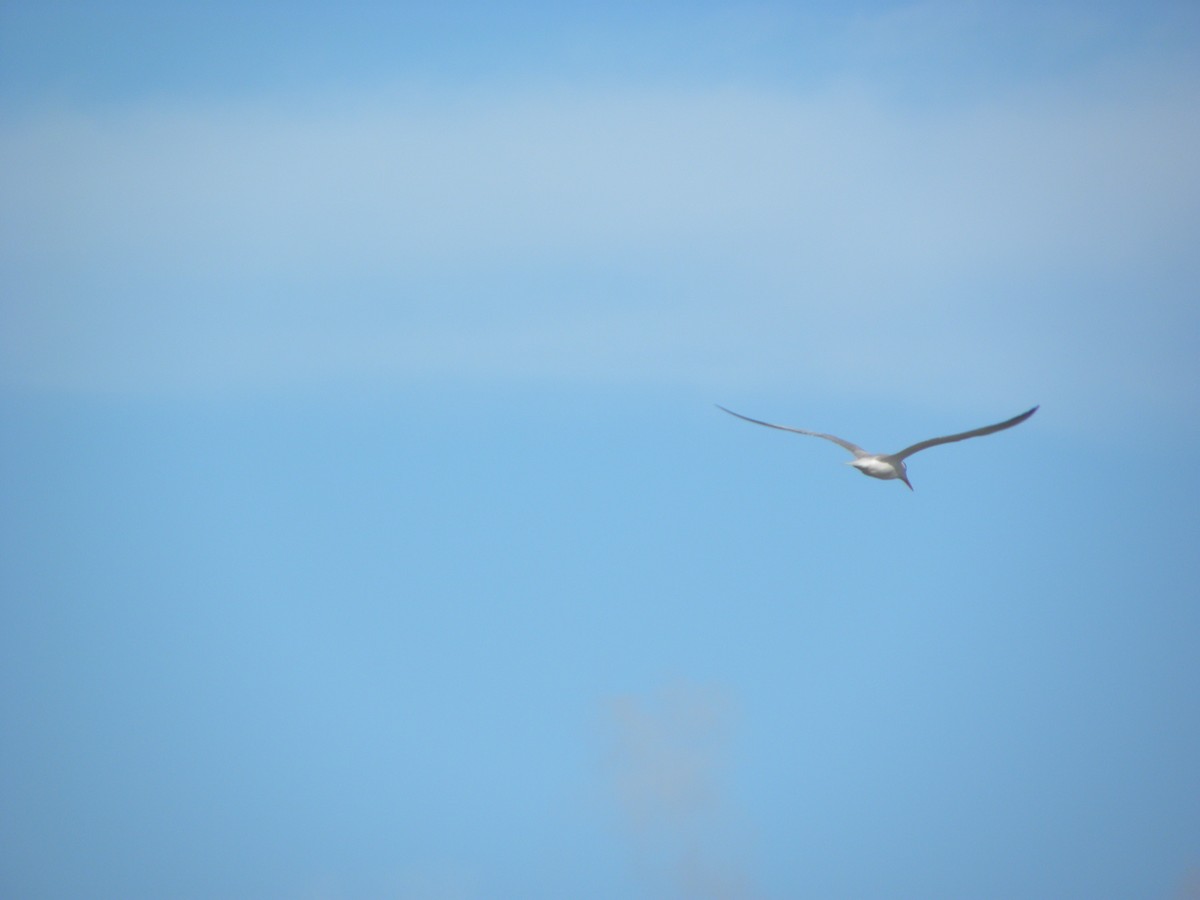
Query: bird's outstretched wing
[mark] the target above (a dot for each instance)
(858, 451)
(951, 438)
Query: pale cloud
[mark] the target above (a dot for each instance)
(669, 760)
(713, 237)
(402, 183)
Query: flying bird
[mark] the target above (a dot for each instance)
(891, 465)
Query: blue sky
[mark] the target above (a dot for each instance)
(368, 528)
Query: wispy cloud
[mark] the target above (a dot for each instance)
(670, 752)
(703, 235)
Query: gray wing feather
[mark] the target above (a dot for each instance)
(858, 451)
(951, 438)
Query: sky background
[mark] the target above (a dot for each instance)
(367, 528)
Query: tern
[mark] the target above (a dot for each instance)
(888, 466)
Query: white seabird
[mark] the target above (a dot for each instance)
(891, 465)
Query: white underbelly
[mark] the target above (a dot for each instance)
(876, 468)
